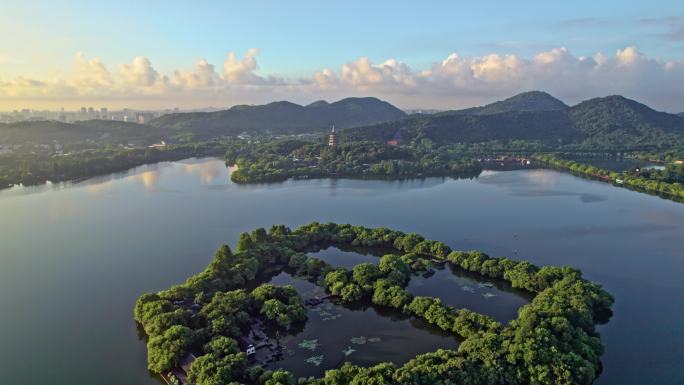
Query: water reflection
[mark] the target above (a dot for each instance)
(113, 249)
(462, 289)
(534, 183)
(208, 171)
(149, 179)
(349, 257)
(361, 334)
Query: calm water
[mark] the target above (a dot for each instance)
(621, 164)
(332, 335)
(73, 259)
(456, 287)
(462, 289)
(348, 258)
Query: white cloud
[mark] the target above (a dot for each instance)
(201, 76)
(453, 82)
(139, 73)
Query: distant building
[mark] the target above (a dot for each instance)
(103, 113)
(144, 117)
(396, 140)
(332, 138)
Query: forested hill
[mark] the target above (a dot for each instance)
(101, 132)
(282, 118)
(609, 122)
(526, 101)
(273, 118)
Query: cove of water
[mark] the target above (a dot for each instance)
(361, 334)
(74, 257)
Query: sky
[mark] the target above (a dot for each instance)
(427, 54)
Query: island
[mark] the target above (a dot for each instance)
(208, 330)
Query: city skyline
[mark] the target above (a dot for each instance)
(441, 56)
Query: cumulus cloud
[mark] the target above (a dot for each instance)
(391, 74)
(89, 75)
(203, 75)
(453, 82)
(139, 73)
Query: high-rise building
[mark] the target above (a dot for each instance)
(103, 113)
(144, 117)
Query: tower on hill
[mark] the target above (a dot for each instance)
(332, 138)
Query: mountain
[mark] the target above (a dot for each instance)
(608, 122)
(281, 118)
(616, 119)
(681, 114)
(101, 132)
(526, 101)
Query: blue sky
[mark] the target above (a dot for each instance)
(296, 39)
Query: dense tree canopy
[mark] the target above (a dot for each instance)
(553, 340)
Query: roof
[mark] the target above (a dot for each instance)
(187, 361)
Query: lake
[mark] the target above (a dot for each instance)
(74, 257)
(332, 335)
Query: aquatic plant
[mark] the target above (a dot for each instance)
(358, 340)
(349, 350)
(311, 344)
(316, 360)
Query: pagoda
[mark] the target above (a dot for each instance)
(332, 138)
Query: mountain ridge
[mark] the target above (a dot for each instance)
(283, 117)
(603, 122)
(525, 101)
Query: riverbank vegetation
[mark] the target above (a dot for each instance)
(33, 168)
(668, 182)
(553, 341)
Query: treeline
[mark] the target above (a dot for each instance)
(278, 160)
(553, 341)
(668, 182)
(32, 169)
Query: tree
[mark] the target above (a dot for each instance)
(365, 274)
(245, 242)
(165, 351)
(351, 293)
(281, 377)
(259, 235)
(211, 369)
(221, 346)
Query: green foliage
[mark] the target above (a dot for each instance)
(165, 351)
(245, 242)
(221, 346)
(553, 340)
(280, 304)
(271, 161)
(30, 167)
(668, 182)
(211, 369)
